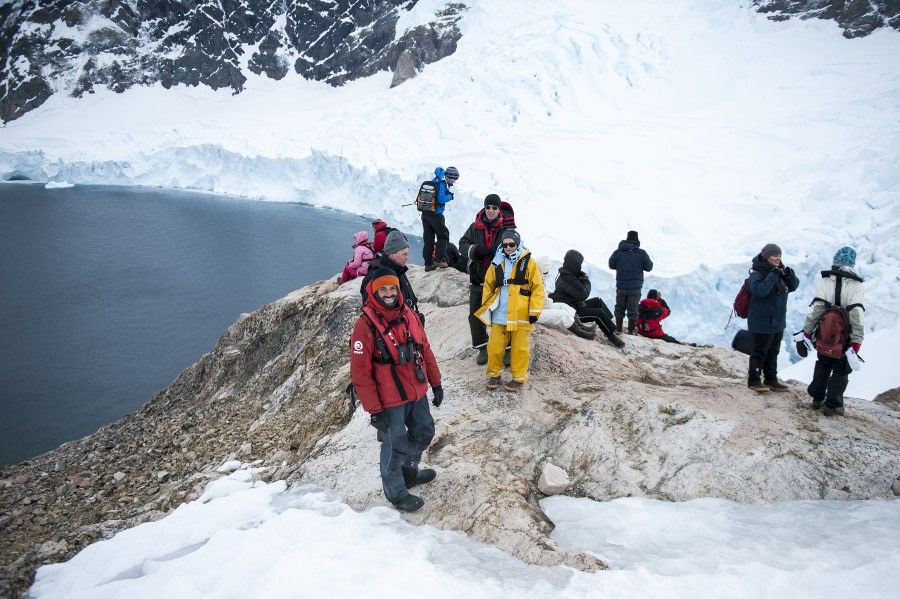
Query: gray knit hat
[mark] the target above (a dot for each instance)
(769, 250)
(394, 243)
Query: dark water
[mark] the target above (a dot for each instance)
(107, 293)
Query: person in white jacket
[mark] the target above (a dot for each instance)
(831, 374)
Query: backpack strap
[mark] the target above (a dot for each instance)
(519, 275)
(386, 358)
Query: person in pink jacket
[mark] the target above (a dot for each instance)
(362, 253)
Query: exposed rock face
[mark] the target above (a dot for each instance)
(655, 420)
(47, 45)
(857, 18)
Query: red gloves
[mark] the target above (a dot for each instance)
(855, 346)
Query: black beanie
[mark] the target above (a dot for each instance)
(653, 294)
(492, 199)
(632, 236)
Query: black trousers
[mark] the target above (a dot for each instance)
(595, 310)
(433, 226)
(477, 328)
(764, 357)
(830, 379)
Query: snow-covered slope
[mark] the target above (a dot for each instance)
(707, 127)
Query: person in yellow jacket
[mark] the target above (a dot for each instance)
(511, 303)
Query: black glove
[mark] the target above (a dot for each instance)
(787, 272)
(438, 395)
(779, 270)
(379, 421)
(532, 319)
(480, 251)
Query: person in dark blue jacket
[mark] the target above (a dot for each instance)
(629, 261)
(433, 224)
(770, 283)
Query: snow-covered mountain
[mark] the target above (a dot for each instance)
(709, 127)
(60, 46)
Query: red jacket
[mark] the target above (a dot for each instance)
(651, 327)
(380, 228)
(371, 377)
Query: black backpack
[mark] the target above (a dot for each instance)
(426, 200)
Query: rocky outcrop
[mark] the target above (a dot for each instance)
(857, 18)
(654, 420)
(52, 44)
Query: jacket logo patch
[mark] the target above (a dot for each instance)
(357, 347)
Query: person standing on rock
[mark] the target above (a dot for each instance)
(395, 257)
(391, 367)
(573, 288)
(770, 282)
(433, 223)
(512, 300)
(840, 286)
(479, 244)
(629, 261)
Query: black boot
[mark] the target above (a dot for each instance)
(581, 332)
(619, 320)
(631, 325)
(614, 339)
(410, 503)
(412, 476)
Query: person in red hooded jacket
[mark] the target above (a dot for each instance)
(651, 311)
(381, 230)
(391, 367)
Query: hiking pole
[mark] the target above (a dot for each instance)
(405, 205)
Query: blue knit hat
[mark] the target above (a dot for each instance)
(452, 172)
(846, 256)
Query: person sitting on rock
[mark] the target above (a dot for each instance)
(558, 314)
(651, 311)
(573, 288)
(391, 367)
(362, 253)
(381, 230)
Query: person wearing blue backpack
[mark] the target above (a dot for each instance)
(433, 224)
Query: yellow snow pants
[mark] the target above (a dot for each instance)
(519, 352)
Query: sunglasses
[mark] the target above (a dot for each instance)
(511, 244)
(492, 207)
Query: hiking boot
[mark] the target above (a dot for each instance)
(839, 410)
(410, 503)
(817, 403)
(430, 267)
(614, 339)
(493, 382)
(412, 476)
(513, 386)
(581, 332)
(619, 325)
(776, 386)
(631, 325)
(442, 265)
(826, 411)
(758, 387)
(481, 358)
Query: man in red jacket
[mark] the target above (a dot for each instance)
(391, 367)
